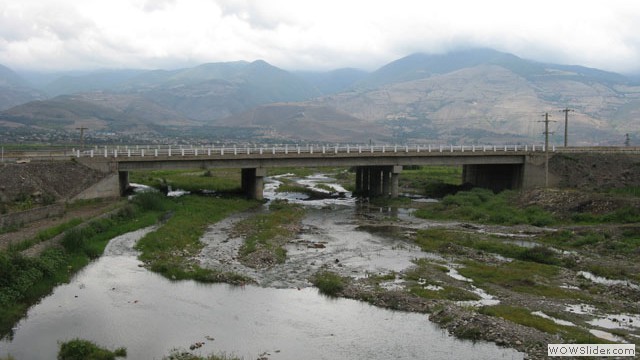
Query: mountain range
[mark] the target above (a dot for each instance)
(470, 96)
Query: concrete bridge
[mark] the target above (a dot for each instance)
(377, 167)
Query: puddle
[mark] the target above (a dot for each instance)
(456, 275)
(604, 281)
(607, 336)
(582, 309)
(555, 320)
(617, 321)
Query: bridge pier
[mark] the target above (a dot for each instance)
(374, 181)
(123, 181)
(253, 182)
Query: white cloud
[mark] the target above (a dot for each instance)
(294, 34)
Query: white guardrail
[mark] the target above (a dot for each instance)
(164, 151)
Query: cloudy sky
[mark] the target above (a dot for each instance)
(311, 34)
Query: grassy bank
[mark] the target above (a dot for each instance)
(24, 280)
(170, 250)
(483, 206)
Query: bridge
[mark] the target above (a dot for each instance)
(377, 167)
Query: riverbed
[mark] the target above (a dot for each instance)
(116, 302)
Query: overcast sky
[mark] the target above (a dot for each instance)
(311, 34)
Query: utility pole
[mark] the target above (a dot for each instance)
(566, 124)
(546, 149)
(82, 129)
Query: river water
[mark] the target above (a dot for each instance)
(117, 303)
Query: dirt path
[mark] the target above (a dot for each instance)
(29, 231)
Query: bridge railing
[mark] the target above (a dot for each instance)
(209, 151)
(290, 150)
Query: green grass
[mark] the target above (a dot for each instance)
(170, 250)
(329, 283)
(24, 280)
(78, 349)
(220, 180)
(45, 234)
(520, 276)
(270, 231)
(483, 206)
(524, 317)
(441, 240)
(430, 180)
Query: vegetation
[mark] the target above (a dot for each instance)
(433, 181)
(45, 234)
(86, 350)
(519, 276)
(170, 251)
(184, 355)
(523, 316)
(269, 232)
(219, 180)
(483, 206)
(24, 280)
(329, 283)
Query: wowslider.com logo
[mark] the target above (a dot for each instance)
(591, 350)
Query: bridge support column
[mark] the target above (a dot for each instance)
(123, 181)
(375, 181)
(359, 180)
(253, 182)
(395, 176)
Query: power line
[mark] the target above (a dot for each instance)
(546, 148)
(566, 124)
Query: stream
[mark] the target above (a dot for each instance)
(117, 303)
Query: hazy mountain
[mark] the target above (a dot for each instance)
(95, 81)
(476, 95)
(98, 111)
(333, 81)
(487, 95)
(14, 90)
(305, 121)
(421, 66)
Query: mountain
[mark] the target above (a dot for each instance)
(14, 90)
(106, 80)
(333, 81)
(98, 111)
(470, 96)
(420, 66)
(306, 122)
(487, 96)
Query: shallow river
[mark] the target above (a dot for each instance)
(115, 303)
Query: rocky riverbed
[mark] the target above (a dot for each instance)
(375, 250)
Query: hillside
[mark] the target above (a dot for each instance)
(14, 90)
(307, 122)
(474, 95)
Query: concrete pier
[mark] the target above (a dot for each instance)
(253, 182)
(374, 181)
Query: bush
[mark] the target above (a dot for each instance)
(151, 201)
(86, 350)
(329, 283)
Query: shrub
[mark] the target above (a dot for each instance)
(86, 350)
(329, 283)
